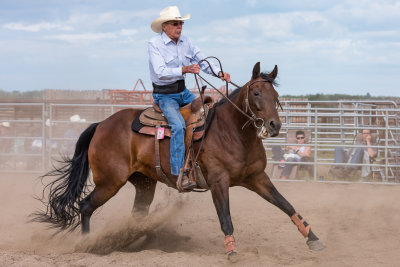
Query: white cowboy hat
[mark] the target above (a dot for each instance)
(5, 124)
(76, 118)
(167, 14)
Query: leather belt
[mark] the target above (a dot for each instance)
(173, 88)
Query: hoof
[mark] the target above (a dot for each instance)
(232, 256)
(315, 245)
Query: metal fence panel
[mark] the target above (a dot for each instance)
(332, 124)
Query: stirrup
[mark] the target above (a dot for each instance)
(187, 184)
(183, 183)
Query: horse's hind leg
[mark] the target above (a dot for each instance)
(145, 188)
(100, 195)
(262, 185)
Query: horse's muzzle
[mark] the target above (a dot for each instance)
(274, 127)
(262, 132)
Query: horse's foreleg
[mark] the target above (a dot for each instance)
(262, 185)
(145, 188)
(220, 195)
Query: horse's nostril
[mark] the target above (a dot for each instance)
(275, 125)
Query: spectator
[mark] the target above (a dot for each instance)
(71, 135)
(296, 153)
(6, 144)
(356, 155)
(50, 145)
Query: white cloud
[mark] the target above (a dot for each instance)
(15, 26)
(81, 38)
(251, 3)
(279, 26)
(128, 32)
(366, 15)
(111, 17)
(125, 34)
(379, 34)
(85, 19)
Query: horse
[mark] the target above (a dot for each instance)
(232, 154)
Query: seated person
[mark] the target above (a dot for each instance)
(355, 155)
(295, 153)
(72, 135)
(6, 144)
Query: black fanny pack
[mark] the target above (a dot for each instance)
(173, 88)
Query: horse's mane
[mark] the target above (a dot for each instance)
(267, 76)
(230, 96)
(211, 112)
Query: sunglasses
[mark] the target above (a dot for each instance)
(176, 23)
(300, 137)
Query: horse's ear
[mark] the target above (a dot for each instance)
(203, 88)
(256, 71)
(274, 72)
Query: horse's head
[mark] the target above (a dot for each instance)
(261, 100)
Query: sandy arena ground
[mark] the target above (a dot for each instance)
(358, 224)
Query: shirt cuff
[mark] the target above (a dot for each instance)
(177, 71)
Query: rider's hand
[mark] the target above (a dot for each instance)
(195, 68)
(288, 148)
(368, 139)
(226, 77)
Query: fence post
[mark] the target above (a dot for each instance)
(386, 145)
(315, 143)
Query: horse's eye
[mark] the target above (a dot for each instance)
(256, 93)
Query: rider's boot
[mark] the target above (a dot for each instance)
(187, 184)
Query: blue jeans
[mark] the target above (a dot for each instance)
(170, 104)
(341, 156)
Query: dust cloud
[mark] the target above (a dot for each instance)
(357, 223)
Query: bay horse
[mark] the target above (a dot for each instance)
(232, 154)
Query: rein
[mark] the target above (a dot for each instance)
(252, 118)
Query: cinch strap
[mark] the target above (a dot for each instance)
(302, 225)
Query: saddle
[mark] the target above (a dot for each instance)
(152, 121)
(194, 115)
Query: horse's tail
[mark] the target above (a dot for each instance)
(69, 188)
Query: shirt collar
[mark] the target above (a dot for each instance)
(167, 40)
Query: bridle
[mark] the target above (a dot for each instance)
(254, 119)
(251, 119)
(257, 122)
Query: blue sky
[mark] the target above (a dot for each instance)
(350, 47)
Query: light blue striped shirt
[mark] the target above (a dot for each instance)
(166, 59)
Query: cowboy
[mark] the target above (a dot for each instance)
(171, 56)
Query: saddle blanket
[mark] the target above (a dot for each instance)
(146, 121)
